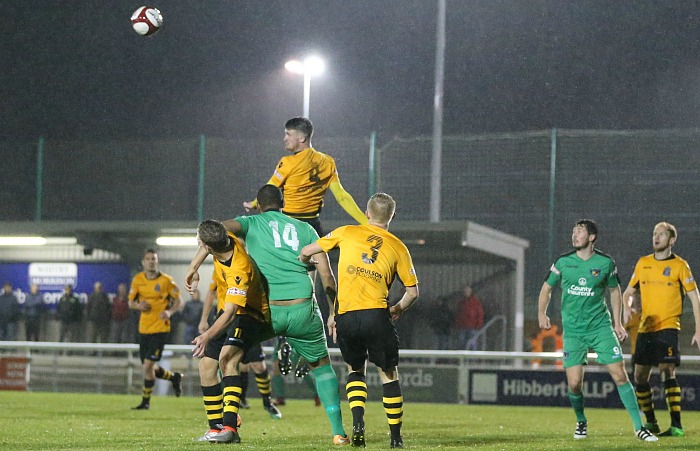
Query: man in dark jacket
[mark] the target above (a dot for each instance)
(99, 313)
(70, 313)
(9, 313)
(33, 313)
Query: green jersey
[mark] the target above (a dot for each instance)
(583, 284)
(274, 240)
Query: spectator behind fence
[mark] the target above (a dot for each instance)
(121, 326)
(99, 313)
(70, 314)
(441, 322)
(10, 313)
(191, 315)
(33, 313)
(470, 318)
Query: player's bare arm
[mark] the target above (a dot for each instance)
(616, 303)
(308, 251)
(330, 287)
(695, 302)
(192, 275)
(542, 304)
(206, 309)
(406, 301)
(222, 322)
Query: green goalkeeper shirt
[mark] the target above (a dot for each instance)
(583, 284)
(274, 240)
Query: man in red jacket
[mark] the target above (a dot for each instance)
(469, 319)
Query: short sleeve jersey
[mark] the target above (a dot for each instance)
(274, 240)
(662, 284)
(583, 285)
(243, 283)
(158, 293)
(370, 259)
(304, 177)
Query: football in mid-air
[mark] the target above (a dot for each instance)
(146, 20)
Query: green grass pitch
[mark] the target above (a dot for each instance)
(59, 421)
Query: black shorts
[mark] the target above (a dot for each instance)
(313, 222)
(254, 354)
(213, 349)
(653, 348)
(246, 332)
(368, 335)
(151, 346)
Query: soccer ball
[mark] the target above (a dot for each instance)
(146, 20)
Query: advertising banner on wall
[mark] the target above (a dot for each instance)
(53, 277)
(549, 388)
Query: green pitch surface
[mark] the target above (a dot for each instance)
(50, 421)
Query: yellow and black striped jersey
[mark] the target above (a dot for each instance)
(662, 285)
(304, 177)
(159, 293)
(370, 258)
(243, 283)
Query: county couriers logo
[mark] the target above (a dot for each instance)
(581, 289)
(364, 273)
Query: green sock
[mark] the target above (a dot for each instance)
(629, 400)
(327, 389)
(577, 404)
(278, 386)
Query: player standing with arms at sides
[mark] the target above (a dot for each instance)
(157, 297)
(274, 240)
(662, 278)
(370, 259)
(584, 274)
(245, 317)
(305, 176)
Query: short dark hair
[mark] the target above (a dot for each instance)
(270, 198)
(149, 251)
(302, 125)
(213, 234)
(590, 225)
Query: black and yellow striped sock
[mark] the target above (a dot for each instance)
(646, 404)
(232, 399)
(356, 390)
(672, 391)
(147, 391)
(162, 373)
(264, 386)
(393, 406)
(214, 405)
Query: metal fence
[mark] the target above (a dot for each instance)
(626, 180)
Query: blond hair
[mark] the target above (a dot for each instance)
(381, 207)
(673, 233)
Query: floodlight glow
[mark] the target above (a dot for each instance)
(295, 66)
(176, 241)
(314, 65)
(22, 241)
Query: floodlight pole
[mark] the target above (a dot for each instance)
(307, 93)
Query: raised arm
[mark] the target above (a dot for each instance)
(346, 201)
(192, 276)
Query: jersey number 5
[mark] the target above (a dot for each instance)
(289, 235)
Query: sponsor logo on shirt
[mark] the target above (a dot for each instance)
(364, 273)
(580, 291)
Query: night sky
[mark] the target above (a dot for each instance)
(76, 69)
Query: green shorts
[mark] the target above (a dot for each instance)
(602, 341)
(303, 326)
